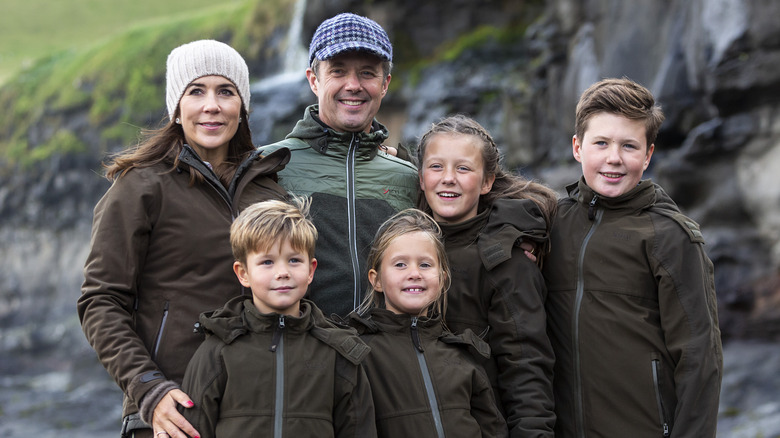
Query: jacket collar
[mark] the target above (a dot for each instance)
(271, 164)
(383, 320)
(328, 141)
(467, 231)
(239, 316)
(641, 197)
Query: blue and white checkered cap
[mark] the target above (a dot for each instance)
(346, 32)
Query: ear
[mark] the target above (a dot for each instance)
(576, 148)
(312, 78)
(649, 155)
(312, 268)
(386, 85)
(241, 273)
(373, 278)
(487, 184)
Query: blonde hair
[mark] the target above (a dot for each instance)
(622, 97)
(506, 185)
(405, 222)
(264, 224)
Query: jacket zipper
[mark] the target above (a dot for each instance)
(162, 329)
(277, 347)
(427, 379)
(213, 181)
(594, 215)
(351, 220)
(657, 385)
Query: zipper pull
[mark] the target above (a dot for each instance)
(592, 207)
(416, 335)
(277, 335)
(666, 429)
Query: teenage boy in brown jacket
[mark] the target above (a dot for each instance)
(631, 300)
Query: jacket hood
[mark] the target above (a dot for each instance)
(322, 138)
(509, 222)
(383, 320)
(239, 316)
(640, 197)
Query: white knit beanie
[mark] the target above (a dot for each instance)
(203, 58)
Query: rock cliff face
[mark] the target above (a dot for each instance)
(518, 67)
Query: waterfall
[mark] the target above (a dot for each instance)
(297, 54)
(295, 58)
(278, 100)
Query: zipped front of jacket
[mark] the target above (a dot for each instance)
(661, 409)
(191, 158)
(427, 379)
(594, 214)
(354, 144)
(277, 347)
(195, 162)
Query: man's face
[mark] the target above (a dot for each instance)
(349, 89)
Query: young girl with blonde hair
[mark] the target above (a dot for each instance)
(423, 379)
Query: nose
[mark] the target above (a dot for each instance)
(414, 273)
(352, 81)
(613, 155)
(210, 103)
(448, 176)
(282, 272)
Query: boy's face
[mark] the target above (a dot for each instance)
(278, 278)
(613, 152)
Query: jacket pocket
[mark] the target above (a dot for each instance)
(158, 338)
(662, 413)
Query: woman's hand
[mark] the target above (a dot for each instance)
(168, 420)
(529, 249)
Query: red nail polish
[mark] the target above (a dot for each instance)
(189, 405)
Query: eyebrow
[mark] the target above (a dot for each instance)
(226, 84)
(621, 140)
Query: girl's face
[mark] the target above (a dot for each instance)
(409, 274)
(453, 177)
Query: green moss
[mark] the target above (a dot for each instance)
(454, 49)
(120, 81)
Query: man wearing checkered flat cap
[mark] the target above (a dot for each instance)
(339, 160)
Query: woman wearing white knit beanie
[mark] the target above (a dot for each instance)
(160, 252)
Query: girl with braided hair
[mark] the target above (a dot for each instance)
(485, 213)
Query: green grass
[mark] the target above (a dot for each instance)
(117, 80)
(34, 29)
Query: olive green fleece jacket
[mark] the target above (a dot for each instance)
(279, 376)
(354, 188)
(160, 255)
(499, 293)
(632, 316)
(424, 380)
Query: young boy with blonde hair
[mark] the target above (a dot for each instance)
(631, 304)
(273, 365)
